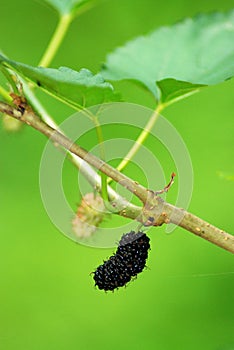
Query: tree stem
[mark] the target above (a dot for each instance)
(155, 208)
(199, 227)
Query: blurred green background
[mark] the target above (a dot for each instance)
(185, 300)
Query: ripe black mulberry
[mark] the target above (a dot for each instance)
(129, 260)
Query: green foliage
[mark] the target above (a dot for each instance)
(173, 90)
(64, 7)
(197, 50)
(78, 89)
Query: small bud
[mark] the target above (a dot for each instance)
(10, 124)
(90, 213)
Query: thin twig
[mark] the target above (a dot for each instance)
(155, 209)
(57, 38)
(140, 140)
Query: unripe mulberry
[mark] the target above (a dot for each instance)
(90, 213)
